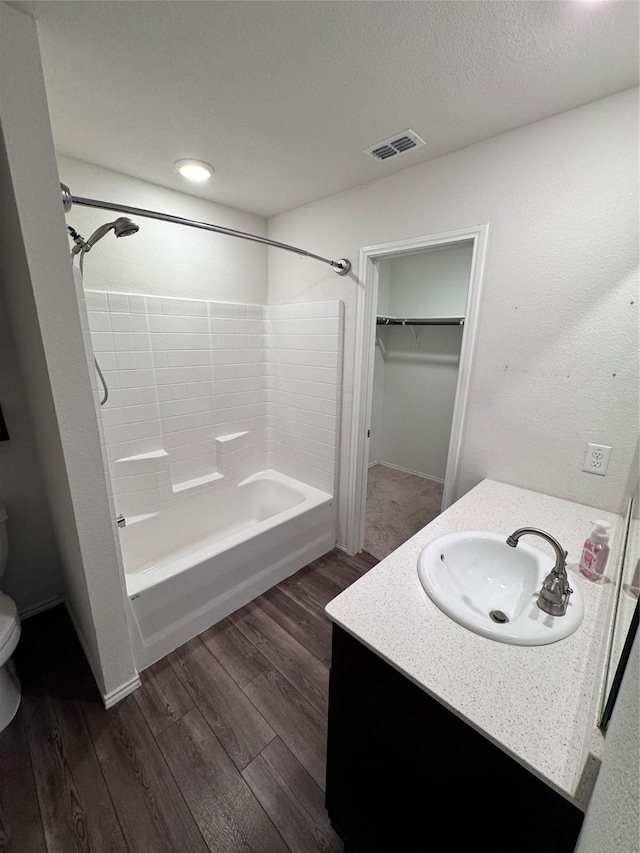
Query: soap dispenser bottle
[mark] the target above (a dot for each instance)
(595, 552)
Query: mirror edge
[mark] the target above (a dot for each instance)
(622, 664)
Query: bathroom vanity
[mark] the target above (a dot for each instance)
(444, 740)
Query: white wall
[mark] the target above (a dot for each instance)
(414, 382)
(418, 395)
(41, 298)
(429, 283)
(303, 352)
(32, 575)
(164, 259)
(556, 363)
(612, 822)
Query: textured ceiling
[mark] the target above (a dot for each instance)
(282, 96)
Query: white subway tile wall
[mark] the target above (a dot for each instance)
(204, 391)
(303, 353)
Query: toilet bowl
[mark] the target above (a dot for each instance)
(9, 636)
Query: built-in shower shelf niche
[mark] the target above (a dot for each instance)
(196, 482)
(223, 440)
(154, 454)
(136, 519)
(235, 453)
(232, 452)
(152, 462)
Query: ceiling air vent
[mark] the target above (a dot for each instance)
(397, 144)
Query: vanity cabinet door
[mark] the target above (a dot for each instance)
(405, 774)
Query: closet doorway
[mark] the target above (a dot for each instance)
(418, 330)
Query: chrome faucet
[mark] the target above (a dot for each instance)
(554, 595)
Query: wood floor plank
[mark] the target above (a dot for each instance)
(343, 579)
(76, 809)
(294, 588)
(239, 727)
(296, 722)
(20, 821)
(304, 671)
(293, 801)
(162, 698)
(237, 655)
(356, 564)
(364, 560)
(322, 588)
(152, 812)
(248, 696)
(344, 568)
(309, 629)
(311, 589)
(227, 813)
(318, 585)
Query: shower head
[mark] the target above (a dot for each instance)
(122, 227)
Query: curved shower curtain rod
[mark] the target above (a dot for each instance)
(341, 267)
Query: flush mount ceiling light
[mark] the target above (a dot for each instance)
(194, 170)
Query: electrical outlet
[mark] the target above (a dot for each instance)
(596, 459)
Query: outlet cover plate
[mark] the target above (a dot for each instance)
(596, 459)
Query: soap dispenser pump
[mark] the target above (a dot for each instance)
(595, 552)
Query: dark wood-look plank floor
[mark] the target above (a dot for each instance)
(292, 798)
(221, 749)
(305, 672)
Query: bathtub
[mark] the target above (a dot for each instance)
(214, 551)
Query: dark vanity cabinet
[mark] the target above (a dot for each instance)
(405, 774)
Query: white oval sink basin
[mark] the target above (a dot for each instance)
(474, 574)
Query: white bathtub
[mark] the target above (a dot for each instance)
(189, 567)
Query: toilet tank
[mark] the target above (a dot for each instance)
(4, 542)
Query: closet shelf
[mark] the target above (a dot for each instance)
(419, 321)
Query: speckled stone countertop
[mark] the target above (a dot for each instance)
(537, 703)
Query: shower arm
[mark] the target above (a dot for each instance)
(341, 267)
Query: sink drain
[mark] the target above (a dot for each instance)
(499, 616)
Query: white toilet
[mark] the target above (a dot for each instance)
(9, 636)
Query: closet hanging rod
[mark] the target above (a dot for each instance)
(420, 321)
(341, 266)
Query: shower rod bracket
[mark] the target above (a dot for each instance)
(341, 266)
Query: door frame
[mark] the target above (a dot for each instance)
(366, 306)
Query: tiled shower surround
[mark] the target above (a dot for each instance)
(203, 391)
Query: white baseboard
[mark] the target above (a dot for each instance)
(341, 547)
(409, 471)
(34, 609)
(112, 698)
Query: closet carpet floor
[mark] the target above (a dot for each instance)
(398, 505)
(221, 749)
